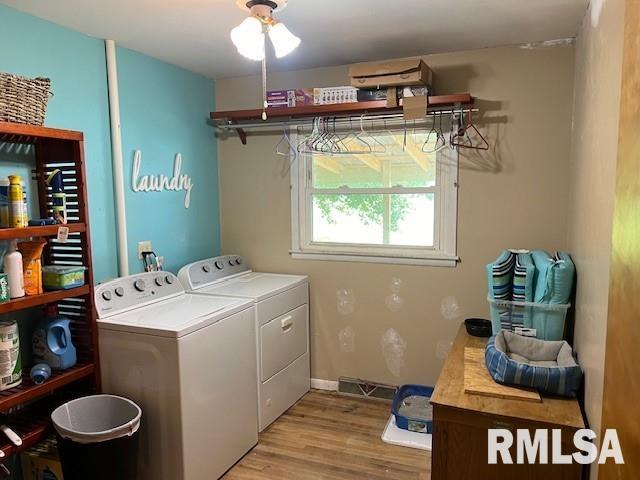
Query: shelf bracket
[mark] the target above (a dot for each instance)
(242, 133)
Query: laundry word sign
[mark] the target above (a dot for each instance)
(159, 183)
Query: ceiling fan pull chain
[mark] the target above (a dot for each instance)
(264, 88)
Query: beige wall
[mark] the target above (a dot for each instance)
(593, 167)
(515, 196)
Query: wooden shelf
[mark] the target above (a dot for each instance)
(47, 297)
(33, 423)
(64, 149)
(19, 133)
(46, 231)
(379, 106)
(33, 428)
(29, 391)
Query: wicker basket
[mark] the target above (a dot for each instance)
(22, 99)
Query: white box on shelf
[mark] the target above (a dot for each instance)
(334, 95)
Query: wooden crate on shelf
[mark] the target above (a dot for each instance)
(63, 149)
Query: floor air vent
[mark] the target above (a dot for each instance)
(362, 388)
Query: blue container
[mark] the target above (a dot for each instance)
(413, 423)
(52, 343)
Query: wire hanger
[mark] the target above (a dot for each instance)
(291, 152)
(463, 139)
(441, 141)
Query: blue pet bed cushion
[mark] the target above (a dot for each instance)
(524, 278)
(547, 366)
(555, 275)
(500, 276)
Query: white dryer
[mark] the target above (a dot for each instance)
(282, 325)
(189, 362)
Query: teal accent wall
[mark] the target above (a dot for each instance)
(76, 65)
(163, 109)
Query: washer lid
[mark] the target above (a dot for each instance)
(176, 316)
(254, 285)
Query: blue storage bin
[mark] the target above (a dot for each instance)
(540, 320)
(407, 421)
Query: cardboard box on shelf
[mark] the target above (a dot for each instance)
(391, 94)
(42, 462)
(391, 74)
(280, 99)
(334, 95)
(415, 108)
(290, 98)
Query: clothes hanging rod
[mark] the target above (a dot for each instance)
(339, 120)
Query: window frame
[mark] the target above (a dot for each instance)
(444, 251)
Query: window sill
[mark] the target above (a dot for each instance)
(435, 261)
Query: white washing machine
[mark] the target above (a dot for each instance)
(189, 361)
(282, 325)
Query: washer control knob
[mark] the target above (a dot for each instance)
(106, 295)
(158, 281)
(140, 285)
(238, 261)
(206, 268)
(168, 280)
(232, 263)
(219, 265)
(119, 291)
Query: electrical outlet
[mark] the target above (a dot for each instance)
(144, 246)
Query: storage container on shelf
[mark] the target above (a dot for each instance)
(541, 320)
(62, 277)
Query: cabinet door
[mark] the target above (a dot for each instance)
(460, 449)
(282, 340)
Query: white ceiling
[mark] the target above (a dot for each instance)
(194, 34)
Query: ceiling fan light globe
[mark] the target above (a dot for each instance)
(284, 42)
(248, 38)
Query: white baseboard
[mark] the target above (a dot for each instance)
(318, 384)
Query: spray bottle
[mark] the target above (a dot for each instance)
(58, 197)
(16, 202)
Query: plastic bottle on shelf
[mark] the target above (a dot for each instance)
(52, 342)
(13, 269)
(58, 197)
(10, 362)
(4, 202)
(25, 205)
(16, 202)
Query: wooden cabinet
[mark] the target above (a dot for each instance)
(462, 421)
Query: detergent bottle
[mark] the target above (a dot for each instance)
(58, 197)
(52, 341)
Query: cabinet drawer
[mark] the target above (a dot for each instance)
(282, 340)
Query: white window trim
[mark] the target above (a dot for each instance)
(443, 254)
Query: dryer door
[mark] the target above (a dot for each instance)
(282, 340)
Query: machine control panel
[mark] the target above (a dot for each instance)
(122, 294)
(211, 270)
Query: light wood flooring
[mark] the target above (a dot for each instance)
(327, 437)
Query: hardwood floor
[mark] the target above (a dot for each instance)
(328, 437)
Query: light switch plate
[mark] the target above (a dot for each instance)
(144, 246)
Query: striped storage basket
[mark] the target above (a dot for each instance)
(23, 100)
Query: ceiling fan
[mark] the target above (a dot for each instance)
(249, 37)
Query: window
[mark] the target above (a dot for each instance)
(388, 202)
